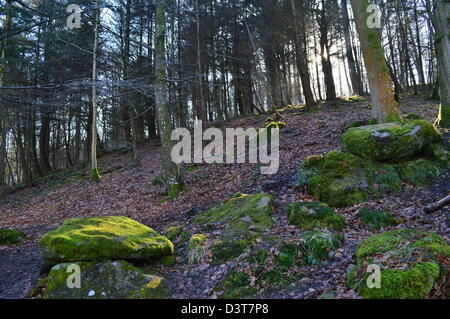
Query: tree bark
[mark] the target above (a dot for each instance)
(384, 105)
(441, 19)
(172, 170)
(94, 164)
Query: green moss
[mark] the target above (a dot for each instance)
(223, 251)
(383, 178)
(174, 190)
(437, 153)
(196, 249)
(317, 245)
(390, 142)
(288, 256)
(108, 280)
(260, 257)
(375, 220)
(159, 181)
(104, 238)
(341, 181)
(95, 175)
(409, 260)
(174, 232)
(246, 216)
(420, 172)
(315, 215)
(11, 237)
(415, 282)
(236, 285)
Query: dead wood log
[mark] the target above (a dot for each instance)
(437, 206)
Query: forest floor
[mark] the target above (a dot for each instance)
(129, 192)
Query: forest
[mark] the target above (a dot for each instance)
(224, 149)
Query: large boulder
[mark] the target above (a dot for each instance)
(103, 238)
(102, 280)
(390, 142)
(338, 179)
(10, 236)
(245, 216)
(410, 261)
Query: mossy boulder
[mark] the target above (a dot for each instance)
(382, 178)
(246, 216)
(11, 237)
(374, 219)
(390, 142)
(104, 238)
(103, 280)
(339, 180)
(315, 215)
(410, 263)
(419, 172)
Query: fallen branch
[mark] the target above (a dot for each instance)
(437, 206)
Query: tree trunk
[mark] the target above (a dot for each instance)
(441, 19)
(355, 77)
(384, 105)
(302, 62)
(172, 171)
(94, 166)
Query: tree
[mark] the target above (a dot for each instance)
(172, 171)
(94, 166)
(384, 105)
(441, 20)
(355, 77)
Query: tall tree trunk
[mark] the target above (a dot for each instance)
(302, 62)
(3, 111)
(94, 165)
(172, 170)
(441, 19)
(384, 105)
(355, 77)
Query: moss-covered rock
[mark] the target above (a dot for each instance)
(11, 237)
(314, 215)
(341, 180)
(104, 238)
(374, 219)
(438, 154)
(409, 260)
(390, 142)
(419, 172)
(103, 280)
(316, 246)
(382, 178)
(246, 216)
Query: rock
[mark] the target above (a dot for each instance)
(410, 263)
(339, 180)
(315, 215)
(104, 238)
(103, 280)
(10, 236)
(419, 172)
(246, 216)
(390, 142)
